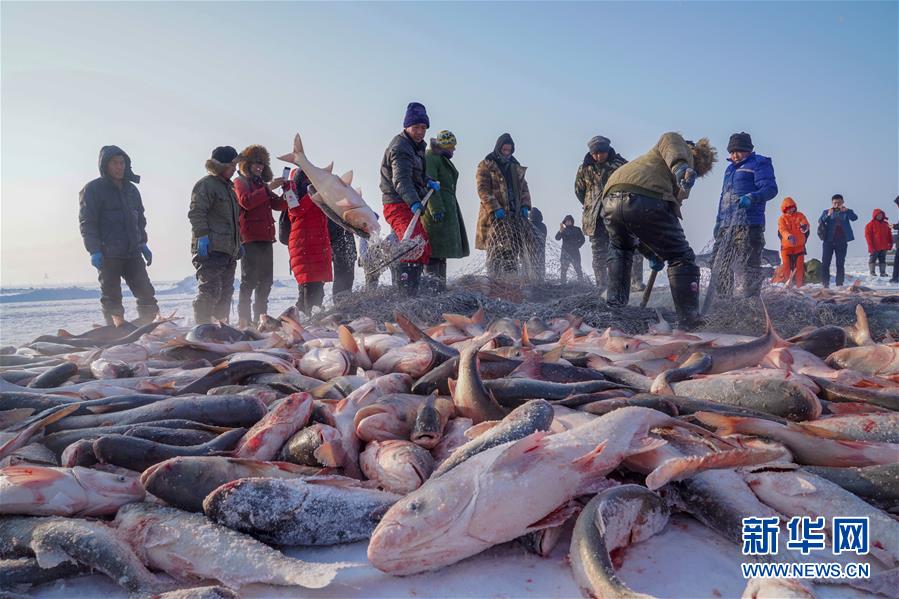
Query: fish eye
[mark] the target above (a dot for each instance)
(121, 478)
(415, 505)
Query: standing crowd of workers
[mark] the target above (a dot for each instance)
(631, 210)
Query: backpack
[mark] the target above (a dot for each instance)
(822, 230)
(284, 227)
(814, 271)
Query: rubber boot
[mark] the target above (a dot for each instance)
(202, 312)
(146, 315)
(409, 278)
(871, 268)
(619, 289)
(685, 293)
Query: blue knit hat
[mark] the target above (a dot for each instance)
(416, 115)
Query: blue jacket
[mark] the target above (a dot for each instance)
(753, 177)
(831, 221)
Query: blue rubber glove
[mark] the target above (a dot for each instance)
(97, 260)
(148, 255)
(685, 176)
(203, 246)
(241, 252)
(438, 216)
(499, 214)
(525, 211)
(744, 202)
(435, 185)
(656, 263)
(416, 207)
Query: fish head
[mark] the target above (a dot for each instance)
(416, 532)
(111, 482)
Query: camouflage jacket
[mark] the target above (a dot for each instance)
(589, 184)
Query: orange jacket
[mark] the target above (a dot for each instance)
(792, 225)
(878, 233)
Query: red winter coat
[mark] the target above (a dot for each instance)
(309, 244)
(878, 233)
(256, 205)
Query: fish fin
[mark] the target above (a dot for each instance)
(515, 450)
(31, 475)
(646, 444)
(451, 383)
(412, 331)
(566, 337)
(10, 417)
(525, 338)
(63, 333)
(554, 355)
(596, 361)
(347, 177)
(347, 340)
(557, 517)
(359, 191)
(48, 556)
(726, 425)
(330, 454)
(480, 316)
(329, 168)
(529, 367)
(681, 468)
(592, 486)
(860, 332)
(479, 429)
(585, 462)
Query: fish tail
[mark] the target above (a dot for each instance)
(726, 425)
(681, 468)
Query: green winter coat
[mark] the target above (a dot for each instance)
(448, 238)
(214, 211)
(589, 184)
(652, 174)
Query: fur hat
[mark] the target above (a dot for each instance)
(704, 156)
(222, 156)
(249, 156)
(740, 142)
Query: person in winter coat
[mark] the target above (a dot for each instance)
(404, 185)
(215, 236)
(879, 236)
(309, 245)
(255, 196)
(572, 239)
(642, 206)
(836, 232)
(505, 199)
(895, 277)
(343, 258)
(599, 163)
(539, 251)
(443, 218)
(749, 184)
(114, 230)
(793, 231)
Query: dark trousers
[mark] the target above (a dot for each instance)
(255, 276)
(599, 247)
(310, 294)
(573, 260)
(215, 286)
(436, 267)
(344, 274)
(832, 248)
(737, 260)
(880, 259)
(134, 271)
(632, 219)
(895, 277)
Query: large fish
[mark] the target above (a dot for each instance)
(877, 483)
(55, 376)
(338, 200)
(23, 572)
(471, 398)
(93, 545)
(264, 440)
(880, 360)
(46, 491)
(316, 445)
(139, 454)
(184, 482)
(430, 420)
(832, 391)
(883, 427)
(390, 417)
(778, 396)
(325, 510)
(798, 493)
(613, 520)
(229, 373)
(58, 441)
(467, 510)
(188, 546)
(806, 444)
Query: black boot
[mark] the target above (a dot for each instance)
(409, 278)
(146, 315)
(684, 285)
(619, 290)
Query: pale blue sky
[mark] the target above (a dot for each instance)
(815, 83)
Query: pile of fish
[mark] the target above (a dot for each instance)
(168, 457)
